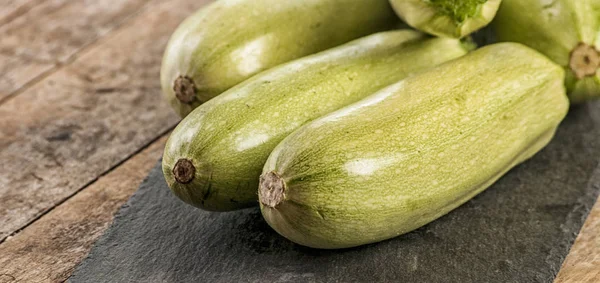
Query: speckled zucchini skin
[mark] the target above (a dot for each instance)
(414, 151)
(567, 31)
(448, 18)
(228, 41)
(229, 138)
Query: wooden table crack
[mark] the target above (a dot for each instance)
(50, 248)
(159, 140)
(99, 129)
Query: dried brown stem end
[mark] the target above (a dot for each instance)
(184, 171)
(585, 61)
(185, 89)
(272, 189)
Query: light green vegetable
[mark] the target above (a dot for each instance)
(414, 151)
(214, 158)
(449, 18)
(229, 41)
(567, 31)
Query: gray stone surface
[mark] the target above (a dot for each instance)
(519, 230)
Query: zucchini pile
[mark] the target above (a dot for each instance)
(347, 126)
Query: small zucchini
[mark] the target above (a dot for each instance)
(229, 41)
(214, 158)
(413, 151)
(567, 31)
(449, 18)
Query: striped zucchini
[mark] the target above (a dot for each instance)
(228, 41)
(414, 151)
(214, 158)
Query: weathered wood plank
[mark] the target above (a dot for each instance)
(11, 9)
(583, 262)
(50, 248)
(81, 121)
(51, 33)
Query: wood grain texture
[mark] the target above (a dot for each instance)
(51, 33)
(49, 249)
(79, 122)
(11, 9)
(582, 265)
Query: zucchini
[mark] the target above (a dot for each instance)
(229, 41)
(448, 18)
(567, 31)
(414, 151)
(214, 157)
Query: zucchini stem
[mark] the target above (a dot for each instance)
(185, 89)
(271, 191)
(585, 61)
(184, 171)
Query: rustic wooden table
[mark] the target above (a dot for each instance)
(82, 122)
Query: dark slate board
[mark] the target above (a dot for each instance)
(519, 230)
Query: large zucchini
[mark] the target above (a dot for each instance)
(414, 151)
(567, 31)
(214, 158)
(228, 41)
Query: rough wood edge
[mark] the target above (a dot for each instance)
(582, 263)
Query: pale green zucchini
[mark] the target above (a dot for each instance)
(414, 151)
(567, 31)
(214, 158)
(449, 18)
(228, 41)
